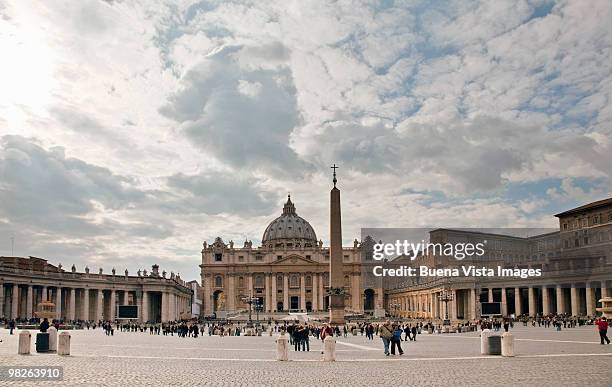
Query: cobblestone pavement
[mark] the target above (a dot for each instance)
(572, 357)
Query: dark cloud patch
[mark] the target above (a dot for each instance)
(242, 115)
(216, 193)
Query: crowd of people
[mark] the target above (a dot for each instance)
(300, 334)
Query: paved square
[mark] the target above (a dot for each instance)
(572, 357)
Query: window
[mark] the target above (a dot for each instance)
(610, 217)
(259, 281)
(279, 257)
(308, 280)
(308, 257)
(240, 258)
(259, 258)
(586, 240)
(218, 281)
(294, 281)
(565, 226)
(218, 257)
(241, 282)
(596, 219)
(279, 282)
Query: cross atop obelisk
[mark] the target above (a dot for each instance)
(336, 275)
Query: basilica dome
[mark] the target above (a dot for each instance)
(289, 228)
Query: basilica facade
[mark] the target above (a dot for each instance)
(288, 272)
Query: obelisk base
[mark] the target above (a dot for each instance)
(336, 309)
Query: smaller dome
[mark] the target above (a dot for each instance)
(289, 227)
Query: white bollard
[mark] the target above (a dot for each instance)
(63, 347)
(507, 344)
(52, 339)
(484, 341)
(282, 348)
(329, 349)
(25, 340)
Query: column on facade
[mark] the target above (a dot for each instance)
(207, 294)
(85, 305)
(285, 292)
(249, 285)
(355, 293)
(472, 304)
(302, 292)
(100, 305)
(126, 298)
(518, 307)
(275, 293)
(590, 301)
(315, 292)
(560, 300)
(15, 302)
(58, 303)
(145, 307)
(545, 301)
(321, 292)
(604, 290)
(268, 284)
(30, 302)
(532, 301)
(490, 295)
(231, 292)
(72, 305)
(575, 301)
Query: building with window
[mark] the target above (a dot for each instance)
(288, 272)
(575, 262)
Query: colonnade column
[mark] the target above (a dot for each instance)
(560, 300)
(72, 305)
(532, 302)
(545, 301)
(590, 301)
(164, 306)
(29, 302)
(574, 301)
(518, 304)
(504, 302)
(1, 300)
(113, 302)
(58, 304)
(85, 314)
(99, 305)
(15, 302)
(144, 313)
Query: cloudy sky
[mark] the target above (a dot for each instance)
(130, 132)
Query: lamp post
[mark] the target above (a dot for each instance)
(258, 308)
(446, 296)
(250, 300)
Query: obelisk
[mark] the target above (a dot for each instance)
(336, 275)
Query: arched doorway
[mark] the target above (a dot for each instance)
(368, 299)
(218, 301)
(279, 306)
(308, 306)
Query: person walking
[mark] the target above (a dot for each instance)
(386, 333)
(396, 340)
(602, 325)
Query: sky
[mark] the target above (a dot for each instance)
(131, 132)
